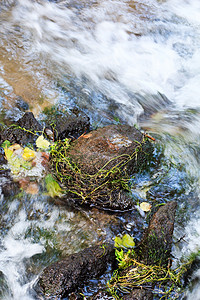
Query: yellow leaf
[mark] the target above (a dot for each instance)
(8, 153)
(42, 143)
(145, 206)
(28, 154)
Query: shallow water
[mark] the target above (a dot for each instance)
(133, 61)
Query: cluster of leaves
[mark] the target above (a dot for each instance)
(21, 159)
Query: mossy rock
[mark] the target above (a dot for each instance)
(95, 169)
(155, 247)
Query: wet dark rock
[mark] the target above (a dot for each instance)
(106, 158)
(3, 161)
(65, 276)
(67, 124)
(20, 133)
(8, 187)
(109, 146)
(139, 294)
(155, 247)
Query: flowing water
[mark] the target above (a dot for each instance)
(134, 61)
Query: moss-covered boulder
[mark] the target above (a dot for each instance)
(95, 169)
(155, 247)
(153, 257)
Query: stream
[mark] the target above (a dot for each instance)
(133, 62)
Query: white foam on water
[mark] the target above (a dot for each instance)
(15, 249)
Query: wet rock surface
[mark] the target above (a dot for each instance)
(67, 124)
(65, 276)
(7, 186)
(21, 131)
(109, 146)
(139, 294)
(155, 247)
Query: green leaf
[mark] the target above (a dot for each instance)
(53, 188)
(125, 242)
(128, 241)
(6, 144)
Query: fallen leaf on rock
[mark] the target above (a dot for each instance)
(23, 183)
(15, 147)
(42, 143)
(145, 206)
(45, 155)
(8, 153)
(125, 242)
(28, 154)
(87, 136)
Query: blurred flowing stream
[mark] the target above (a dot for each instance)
(137, 62)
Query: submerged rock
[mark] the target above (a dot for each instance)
(65, 276)
(96, 168)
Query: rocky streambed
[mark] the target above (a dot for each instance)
(93, 169)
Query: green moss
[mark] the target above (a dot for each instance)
(133, 274)
(155, 250)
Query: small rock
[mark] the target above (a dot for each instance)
(65, 124)
(29, 124)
